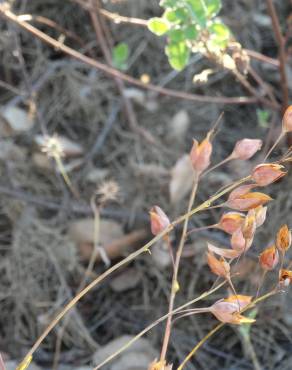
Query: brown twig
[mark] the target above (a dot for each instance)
(282, 53)
(6, 13)
(101, 38)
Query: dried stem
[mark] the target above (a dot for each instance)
(151, 326)
(282, 53)
(175, 284)
(219, 326)
(6, 13)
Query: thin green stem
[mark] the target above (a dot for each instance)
(219, 326)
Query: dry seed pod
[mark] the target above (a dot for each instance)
(249, 226)
(231, 221)
(260, 215)
(200, 155)
(287, 120)
(218, 267)
(285, 277)
(244, 149)
(283, 239)
(267, 173)
(248, 201)
(237, 240)
(269, 258)
(158, 219)
(228, 310)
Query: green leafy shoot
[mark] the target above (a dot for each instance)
(120, 55)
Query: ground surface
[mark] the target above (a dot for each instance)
(43, 261)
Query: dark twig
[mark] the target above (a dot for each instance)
(282, 53)
(115, 73)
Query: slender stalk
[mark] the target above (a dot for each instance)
(175, 285)
(151, 326)
(280, 137)
(125, 261)
(219, 326)
(224, 161)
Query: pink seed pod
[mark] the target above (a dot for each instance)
(200, 155)
(246, 148)
(267, 173)
(249, 226)
(237, 240)
(260, 214)
(218, 267)
(269, 258)
(158, 220)
(230, 221)
(248, 201)
(228, 310)
(287, 120)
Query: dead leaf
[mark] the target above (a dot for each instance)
(179, 124)
(18, 119)
(82, 231)
(181, 179)
(111, 238)
(126, 280)
(70, 148)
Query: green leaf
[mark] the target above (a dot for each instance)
(219, 29)
(159, 26)
(199, 11)
(120, 55)
(178, 54)
(213, 7)
(176, 35)
(168, 3)
(191, 32)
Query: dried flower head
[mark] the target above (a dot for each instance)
(218, 267)
(53, 147)
(107, 191)
(287, 120)
(244, 149)
(283, 238)
(267, 173)
(159, 365)
(269, 258)
(158, 219)
(285, 277)
(200, 155)
(231, 221)
(228, 310)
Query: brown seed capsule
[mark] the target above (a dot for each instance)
(218, 267)
(231, 221)
(248, 201)
(267, 173)
(285, 277)
(228, 310)
(269, 258)
(244, 149)
(287, 120)
(158, 219)
(200, 155)
(283, 238)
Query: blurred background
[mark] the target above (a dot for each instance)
(126, 160)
